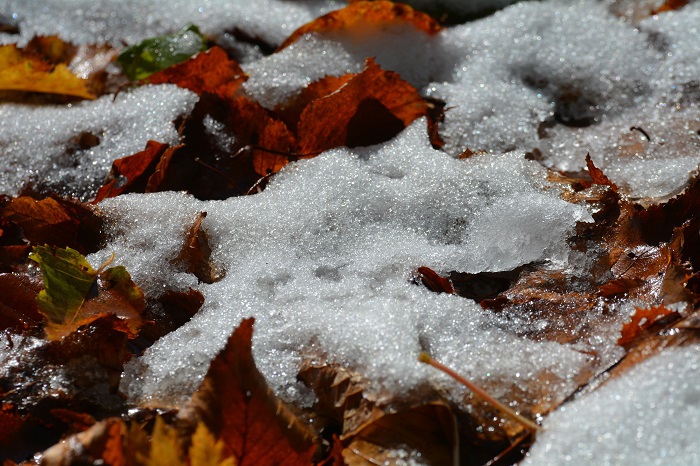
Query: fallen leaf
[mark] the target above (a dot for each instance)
(102, 442)
(211, 71)
(132, 173)
(358, 16)
(206, 450)
(72, 296)
(18, 306)
(21, 71)
(158, 53)
(238, 408)
(670, 5)
(429, 431)
(196, 252)
(597, 174)
(369, 108)
(434, 282)
(56, 221)
(642, 320)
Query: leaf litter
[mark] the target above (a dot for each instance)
(552, 288)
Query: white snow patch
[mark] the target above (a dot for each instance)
(323, 259)
(40, 144)
(650, 415)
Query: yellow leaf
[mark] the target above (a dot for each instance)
(165, 447)
(20, 72)
(206, 450)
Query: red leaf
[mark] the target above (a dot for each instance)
(371, 107)
(358, 15)
(641, 321)
(131, 174)
(211, 71)
(597, 174)
(238, 407)
(433, 281)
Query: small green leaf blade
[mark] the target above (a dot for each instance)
(158, 53)
(68, 280)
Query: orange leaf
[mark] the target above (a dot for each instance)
(433, 281)
(235, 403)
(641, 321)
(211, 71)
(131, 174)
(597, 174)
(359, 15)
(196, 252)
(20, 71)
(670, 5)
(371, 107)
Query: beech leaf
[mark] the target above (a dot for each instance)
(158, 53)
(642, 320)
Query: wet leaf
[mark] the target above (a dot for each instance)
(132, 173)
(434, 282)
(642, 320)
(22, 71)
(357, 16)
(238, 408)
(369, 108)
(72, 296)
(18, 305)
(211, 71)
(158, 53)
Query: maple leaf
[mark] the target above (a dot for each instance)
(158, 53)
(359, 15)
(72, 296)
(20, 71)
(235, 403)
(211, 71)
(642, 320)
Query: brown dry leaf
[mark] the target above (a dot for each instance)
(196, 252)
(358, 16)
(211, 71)
(369, 108)
(342, 396)
(102, 442)
(429, 430)
(55, 221)
(18, 308)
(22, 71)
(597, 174)
(131, 174)
(643, 320)
(238, 408)
(11, 423)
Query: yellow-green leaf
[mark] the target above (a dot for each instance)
(68, 279)
(158, 53)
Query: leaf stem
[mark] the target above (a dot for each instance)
(425, 358)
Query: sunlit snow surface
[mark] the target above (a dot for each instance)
(323, 257)
(649, 416)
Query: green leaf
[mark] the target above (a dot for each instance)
(158, 53)
(68, 280)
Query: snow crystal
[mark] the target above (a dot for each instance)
(649, 415)
(130, 21)
(323, 258)
(70, 149)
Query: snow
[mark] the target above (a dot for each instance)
(650, 415)
(131, 21)
(323, 258)
(56, 160)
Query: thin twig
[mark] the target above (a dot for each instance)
(425, 357)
